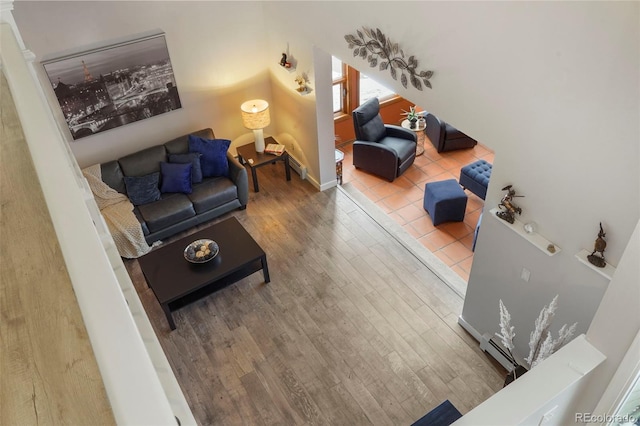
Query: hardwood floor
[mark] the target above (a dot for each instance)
(351, 330)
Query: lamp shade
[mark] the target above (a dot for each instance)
(255, 114)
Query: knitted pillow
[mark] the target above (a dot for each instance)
(143, 189)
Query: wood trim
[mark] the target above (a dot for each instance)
(390, 109)
(391, 112)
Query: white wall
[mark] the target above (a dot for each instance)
(616, 323)
(217, 49)
(575, 157)
(534, 399)
(553, 88)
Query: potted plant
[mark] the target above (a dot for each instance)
(412, 116)
(541, 343)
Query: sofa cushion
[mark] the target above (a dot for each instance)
(194, 159)
(180, 145)
(112, 176)
(213, 192)
(176, 177)
(214, 155)
(400, 146)
(374, 130)
(453, 133)
(167, 211)
(143, 189)
(143, 162)
(367, 118)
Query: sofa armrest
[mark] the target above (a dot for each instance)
(400, 132)
(435, 131)
(375, 158)
(238, 174)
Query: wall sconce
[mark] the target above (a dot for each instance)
(255, 116)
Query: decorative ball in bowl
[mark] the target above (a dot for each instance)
(201, 251)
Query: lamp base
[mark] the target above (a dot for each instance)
(259, 140)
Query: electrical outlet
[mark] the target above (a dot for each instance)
(525, 275)
(546, 418)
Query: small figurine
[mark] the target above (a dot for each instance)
(283, 61)
(598, 247)
(506, 203)
(302, 83)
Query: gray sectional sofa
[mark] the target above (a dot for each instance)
(176, 212)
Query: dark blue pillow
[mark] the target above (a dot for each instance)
(214, 155)
(143, 189)
(176, 177)
(194, 159)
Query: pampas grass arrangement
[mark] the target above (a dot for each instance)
(541, 342)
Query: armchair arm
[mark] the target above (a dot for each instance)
(435, 131)
(400, 132)
(375, 158)
(238, 174)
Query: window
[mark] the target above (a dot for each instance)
(339, 76)
(352, 88)
(370, 88)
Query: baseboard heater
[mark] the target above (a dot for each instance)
(299, 168)
(494, 349)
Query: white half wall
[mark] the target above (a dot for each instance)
(614, 328)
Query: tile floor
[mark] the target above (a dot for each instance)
(402, 200)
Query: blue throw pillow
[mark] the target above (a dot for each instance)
(194, 159)
(143, 189)
(176, 177)
(214, 155)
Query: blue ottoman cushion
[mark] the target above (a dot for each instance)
(475, 177)
(445, 201)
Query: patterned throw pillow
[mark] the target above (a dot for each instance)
(214, 155)
(143, 189)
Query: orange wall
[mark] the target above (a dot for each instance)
(391, 112)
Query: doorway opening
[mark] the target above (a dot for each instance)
(402, 200)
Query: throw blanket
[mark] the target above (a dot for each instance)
(117, 211)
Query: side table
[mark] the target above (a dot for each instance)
(419, 129)
(247, 155)
(339, 158)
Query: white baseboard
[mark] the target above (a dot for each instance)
(475, 333)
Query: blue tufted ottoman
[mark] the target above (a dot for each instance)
(475, 177)
(445, 201)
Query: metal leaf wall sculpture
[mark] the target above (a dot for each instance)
(378, 49)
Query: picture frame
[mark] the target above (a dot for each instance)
(113, 85)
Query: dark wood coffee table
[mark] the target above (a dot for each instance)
(177, 282)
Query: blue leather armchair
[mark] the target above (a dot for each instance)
(382, 149)
(445, 137)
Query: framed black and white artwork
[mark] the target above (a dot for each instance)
(114, 85)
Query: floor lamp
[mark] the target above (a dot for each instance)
(255, 116)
